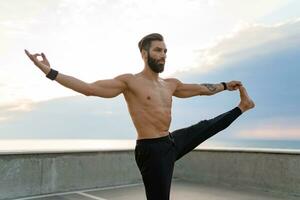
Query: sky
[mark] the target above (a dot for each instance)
(208, 41)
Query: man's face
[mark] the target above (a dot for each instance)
(156, 56)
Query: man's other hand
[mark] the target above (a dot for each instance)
(233, 85)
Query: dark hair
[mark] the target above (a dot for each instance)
(145, 42)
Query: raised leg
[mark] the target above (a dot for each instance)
(186, 139)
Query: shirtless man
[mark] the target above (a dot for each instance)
(149, 101)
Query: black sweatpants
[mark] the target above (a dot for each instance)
(155, 157)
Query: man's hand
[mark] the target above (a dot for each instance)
(233, 85)
(43, 64)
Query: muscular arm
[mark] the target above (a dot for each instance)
(107, 88)
(103, 88)
(183, 90)
(110, 87)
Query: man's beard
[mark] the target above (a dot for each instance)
(154, 65)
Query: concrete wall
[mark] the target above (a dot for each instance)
(24, 175)
(275, 171)
(31, 174)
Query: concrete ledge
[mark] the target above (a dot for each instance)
(30, 174)
(254, 150)
(276, 171)
(35, 174)
(223, 149)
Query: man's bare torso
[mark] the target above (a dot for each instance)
(149, 103)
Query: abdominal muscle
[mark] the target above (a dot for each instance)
(149, 104)
(151, 123)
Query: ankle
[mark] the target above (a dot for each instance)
(242, 108)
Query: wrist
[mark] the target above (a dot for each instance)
(52, 74)
(44, 68)
(47, 71)
(224, 85)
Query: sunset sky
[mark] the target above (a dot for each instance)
(208, 41)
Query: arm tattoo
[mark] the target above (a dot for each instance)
(210, 87)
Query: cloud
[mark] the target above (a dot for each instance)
(68, 117)
(271, 133)
(246, 41)
(4, 118)
(276, 127)
(265, 57)
(266, 60)
(267, 81)
(104, 29)
(22, 105)
(10, 111)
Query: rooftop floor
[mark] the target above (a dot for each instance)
(180, 190)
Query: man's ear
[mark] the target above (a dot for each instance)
(144, 54)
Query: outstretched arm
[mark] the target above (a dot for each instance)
(103, 88)
(184, 90)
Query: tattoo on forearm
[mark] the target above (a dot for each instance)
(210, 87)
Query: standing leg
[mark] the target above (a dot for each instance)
(156, 163)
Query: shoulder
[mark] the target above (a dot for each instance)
(124, 77)
(173, 81)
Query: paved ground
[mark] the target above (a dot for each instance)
(181, 190)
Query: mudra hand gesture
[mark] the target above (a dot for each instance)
(43, 64)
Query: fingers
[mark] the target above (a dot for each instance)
(234, 85)
(33, 57)
(27, 52)
(239, 83)
(29, 55)
(43, 55)
(36, 55)
(44, 58)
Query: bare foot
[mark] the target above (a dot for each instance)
(246, 102)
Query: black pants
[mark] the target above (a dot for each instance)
(155, 157)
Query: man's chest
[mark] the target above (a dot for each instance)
(152, 94)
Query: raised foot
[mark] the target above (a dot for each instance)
(246, 102)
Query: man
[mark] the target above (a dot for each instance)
(149, 101)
